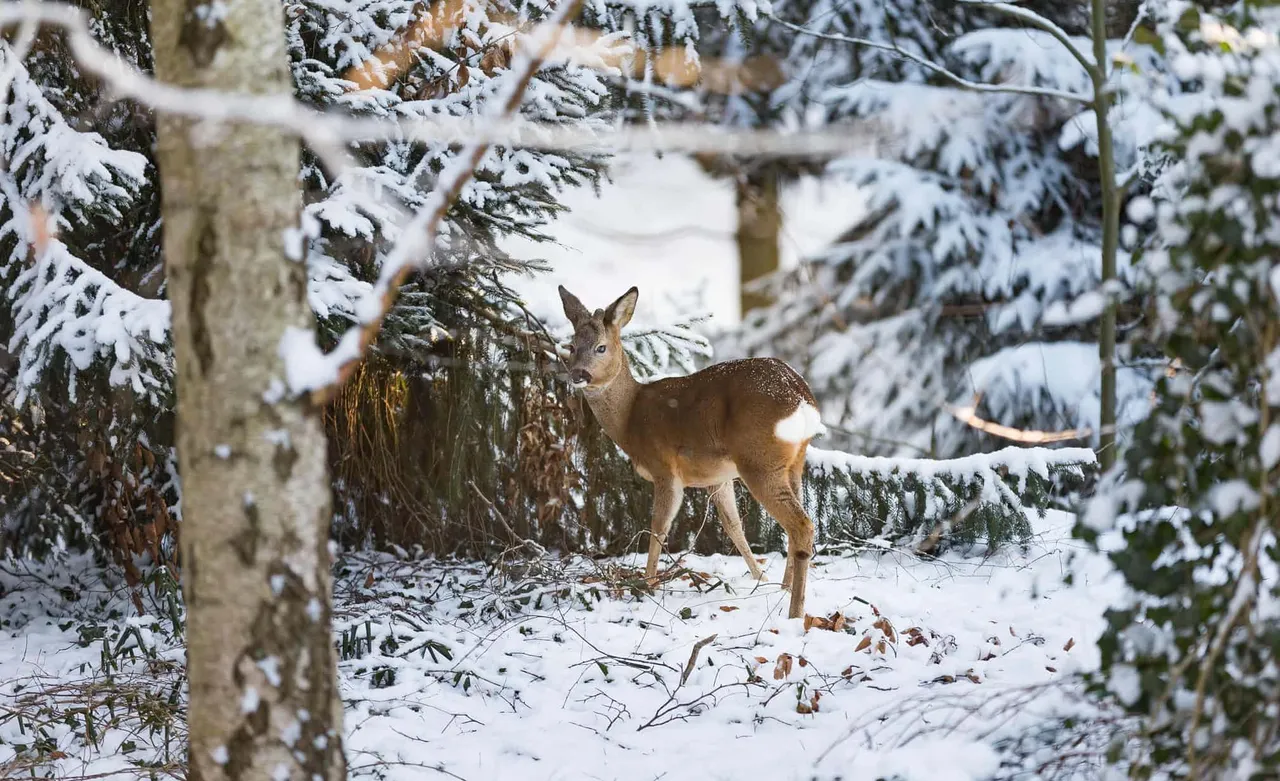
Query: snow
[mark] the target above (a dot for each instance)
(581, 681)
(676, 242)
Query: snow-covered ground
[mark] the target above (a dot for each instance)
(664, 225)
(560, 673)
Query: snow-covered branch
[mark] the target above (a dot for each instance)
(930, 65)
(327, 133)
(324, 375)
(1033, 19)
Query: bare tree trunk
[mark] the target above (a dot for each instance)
(759, 223)
(1110, 238)
(256, 564)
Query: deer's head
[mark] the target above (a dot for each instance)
(595, 354)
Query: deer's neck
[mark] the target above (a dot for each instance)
(612, 405)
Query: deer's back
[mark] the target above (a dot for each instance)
(705, 426)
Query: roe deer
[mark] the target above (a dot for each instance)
(750, 419)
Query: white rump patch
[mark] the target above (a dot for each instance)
(803, 424)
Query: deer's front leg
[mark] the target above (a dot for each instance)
(667, 495)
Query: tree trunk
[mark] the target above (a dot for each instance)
(1110, 240)
(256, 565)
(759, 222)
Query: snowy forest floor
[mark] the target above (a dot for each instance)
(932, 669)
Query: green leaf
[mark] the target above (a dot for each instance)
(1148, 37)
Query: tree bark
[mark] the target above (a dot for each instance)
(759, 223)
(256, 565)
(1110, 239)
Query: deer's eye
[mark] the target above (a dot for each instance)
(600, 349)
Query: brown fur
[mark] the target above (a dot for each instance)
(700, 431)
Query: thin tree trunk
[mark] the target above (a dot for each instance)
(256, 565)
(759, 223)
(1110, 236)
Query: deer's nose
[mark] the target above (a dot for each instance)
(580, 377)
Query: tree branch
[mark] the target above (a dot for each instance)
(418, 238)
(959, 81)
(326, 133)
(1037, 21)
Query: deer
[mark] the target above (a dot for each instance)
(749, 419)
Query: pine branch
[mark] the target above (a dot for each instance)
(1039, 22)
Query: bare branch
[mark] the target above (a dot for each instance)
(968, 416)
(959, 81)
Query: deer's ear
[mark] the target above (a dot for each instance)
(573, 308)
(619, 312)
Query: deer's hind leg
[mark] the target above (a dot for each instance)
(774, 489)
(723, 498)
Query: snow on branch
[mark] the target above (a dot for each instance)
(307, 369)
(940, 70)
(64, 307)
(55, 164)
(979, 497)
(326, 133)
(1033, 19)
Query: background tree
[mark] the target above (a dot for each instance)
(976, 267)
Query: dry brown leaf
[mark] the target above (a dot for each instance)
(728, 608)
(972, 676)
(803, 707)
(1051, 669)
(762, 659)
(1070, 644)
(864, 644)
(987, 658)
(1013, 633)
(847, 673)
(887, 628)
(804, 662)
(774, 631)
(838, 621)
(783, 667)
(368, 581)
(812, 621)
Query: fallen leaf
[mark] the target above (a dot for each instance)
(1051, 669)
(803, 707)
(971, 675)
(804, 662)
(847, 673)
(762, 659)
(728, 608)
(1070, 644)
(866, 643)
(944, 679)
(368, 581)
(774, 631)
(987, 658)
(783, 667)
(837, 622)
(1015, 634)
(887, 628)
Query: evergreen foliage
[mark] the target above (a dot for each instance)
(973, 266)
(1190, 521)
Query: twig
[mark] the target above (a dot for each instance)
(693, 657)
